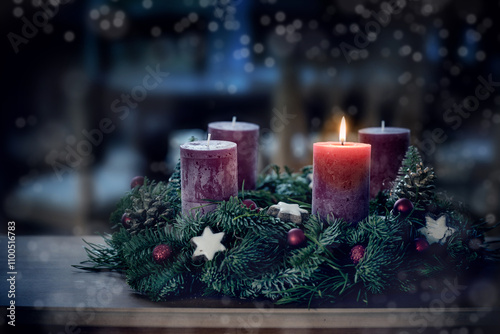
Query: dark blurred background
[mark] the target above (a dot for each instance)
(96, 92)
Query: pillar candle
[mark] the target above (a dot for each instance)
(389, 146)
(341, 179)
(209, 170)
(246, 136)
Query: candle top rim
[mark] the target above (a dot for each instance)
(339, 144)
(201, 145)
(387, 130)
(238, 126)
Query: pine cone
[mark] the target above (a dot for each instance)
(149, 208)
(417, 185)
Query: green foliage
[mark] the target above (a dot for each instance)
(311, 272)
(274, 186)
(173, 194)
(258, 262)
(108, 256)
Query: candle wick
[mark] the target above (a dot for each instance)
(342, 143)
(383, 126)
(208, 140)
(234, 121)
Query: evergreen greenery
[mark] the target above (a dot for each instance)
(258, 262)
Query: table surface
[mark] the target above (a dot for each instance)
(50, 294)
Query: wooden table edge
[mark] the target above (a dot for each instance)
(268, 318)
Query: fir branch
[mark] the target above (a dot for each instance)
(255, 254)
(233, 216)
(378, 269)
(159, 282)
(107, 256)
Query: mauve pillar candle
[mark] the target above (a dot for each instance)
(389, 145)
(208, 171)
(246, 136)
(341, 180)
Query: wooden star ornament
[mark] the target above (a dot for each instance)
(208, 244)
(436, 230)
(288, 212)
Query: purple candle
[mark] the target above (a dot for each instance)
(208, 171)
(389, 146)
(341, 179)
(246, 136)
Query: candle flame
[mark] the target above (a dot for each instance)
(343, 131)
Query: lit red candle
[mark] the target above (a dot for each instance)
(209, 170)
(246, 136)
(389, 146)
(341, 179)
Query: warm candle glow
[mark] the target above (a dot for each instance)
(342, 133)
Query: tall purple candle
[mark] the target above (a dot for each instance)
(246, 135)
(389, 146)
(208, 171)
(341, 179)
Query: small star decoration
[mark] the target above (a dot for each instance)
(436, 230)
(208, 244)
(288, 212)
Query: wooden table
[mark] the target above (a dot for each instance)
(53, 297)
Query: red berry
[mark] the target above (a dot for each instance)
(296, 237)
(162, 253)
(126, 220)
(137, 181)
(250, 204)
(357, 253)
(421, 244)
(403, 207)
